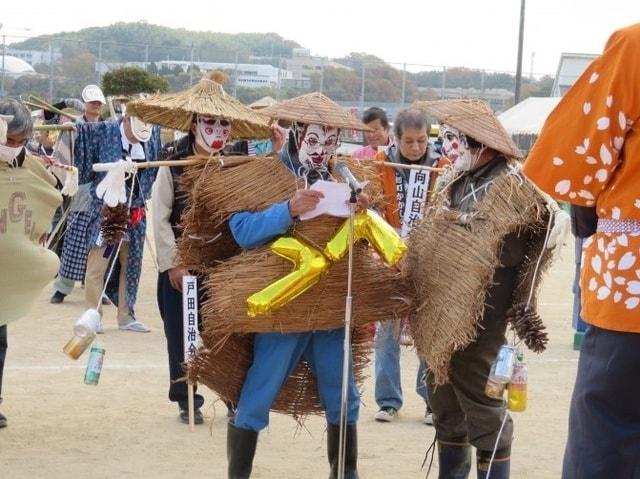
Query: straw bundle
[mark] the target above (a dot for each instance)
(220, 187)
(222, 363)
(317, 109)
(377, 293)
(207, 97)
(449, 311)
(474, 118)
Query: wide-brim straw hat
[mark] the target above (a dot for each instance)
(315, 109)
(207, 97)
(474, 118)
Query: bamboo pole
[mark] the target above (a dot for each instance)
(224, 162)
(63, 127)
(389, 164)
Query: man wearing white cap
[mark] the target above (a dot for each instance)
(73, 259)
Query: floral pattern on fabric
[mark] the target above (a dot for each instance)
(588, 154)
(101, 143)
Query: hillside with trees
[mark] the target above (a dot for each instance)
(140, 41)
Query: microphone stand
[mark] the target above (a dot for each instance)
(346, 358)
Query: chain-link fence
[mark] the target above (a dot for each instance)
(59, 67)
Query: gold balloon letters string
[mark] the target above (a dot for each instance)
(310, 263)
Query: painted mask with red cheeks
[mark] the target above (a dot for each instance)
(316, 144)
(455, 148)
(212, 133)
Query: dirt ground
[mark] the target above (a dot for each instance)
(126, 428)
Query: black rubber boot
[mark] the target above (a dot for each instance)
(500, 467)
(57, 297)
(454, 460)
(241, 448)
(350, 451)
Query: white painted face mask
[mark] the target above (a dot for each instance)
(212, 133)
(317, 146)
(456, 148)
(8, 153)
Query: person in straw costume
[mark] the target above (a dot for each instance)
(312, 141)
(588, 154)
(489, 222)
(208, 115)
(28, 200)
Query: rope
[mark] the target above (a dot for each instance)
(495, 447)
(117, 252)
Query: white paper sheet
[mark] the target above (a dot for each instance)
(334, 203)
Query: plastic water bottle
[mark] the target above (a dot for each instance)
(517, 399)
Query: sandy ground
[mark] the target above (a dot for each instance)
(126, 427)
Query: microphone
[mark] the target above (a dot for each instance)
(343, 170)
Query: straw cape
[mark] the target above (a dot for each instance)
(176, 110)
(317, 109)
(474, 118)
(450, 306)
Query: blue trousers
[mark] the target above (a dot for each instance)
(604, 419)
(275, 356)
(388, 389)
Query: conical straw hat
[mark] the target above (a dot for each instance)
(176, 110)
(474, 118)
(316, 109)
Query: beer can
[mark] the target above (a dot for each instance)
(77, 345)
(504, 364)
(94, 366)
(494, 389)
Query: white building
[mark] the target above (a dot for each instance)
(35, 57)
(15, 67)
(570, 67)
(249, 75)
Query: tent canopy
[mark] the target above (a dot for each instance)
(528, 116)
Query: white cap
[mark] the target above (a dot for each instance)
(93, 93)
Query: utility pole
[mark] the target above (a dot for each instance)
(4, 47)
(533, 55)
(278, 84)
(444, 82)
(50, 72)
(99, 63)
(191, 67)
(146, 56)
(362, 89)
(235, 78)
(404, 84)
(520, 42)
(321, 74)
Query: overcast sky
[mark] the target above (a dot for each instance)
(471, 33)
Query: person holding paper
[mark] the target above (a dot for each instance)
(306, 154)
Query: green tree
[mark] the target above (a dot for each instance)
(131, 80)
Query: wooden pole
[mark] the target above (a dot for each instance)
(399, 166)
(63, 127)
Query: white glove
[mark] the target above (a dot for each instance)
(70, 186)
(560, 229)
(112, 188)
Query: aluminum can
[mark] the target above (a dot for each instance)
(504, 364)
(94, 366)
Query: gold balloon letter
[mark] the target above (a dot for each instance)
(377, 231)
(309, 266)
